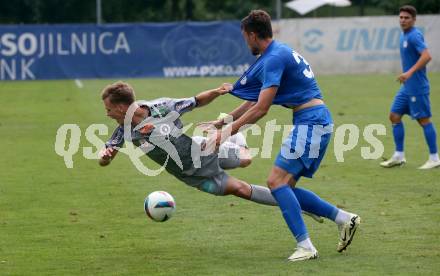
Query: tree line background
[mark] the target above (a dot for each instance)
(115, 11)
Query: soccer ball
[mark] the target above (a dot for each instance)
(159, 206)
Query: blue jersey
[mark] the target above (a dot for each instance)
(412, 45)
(284, 68)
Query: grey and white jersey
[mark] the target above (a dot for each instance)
(160, 134)
(158, 109)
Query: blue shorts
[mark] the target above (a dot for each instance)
(303, 150)
(417, 106)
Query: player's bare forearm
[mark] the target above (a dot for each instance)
(208, 96)
(425, 57)
(257, 110)
(235, 114)
(254, 114)
(241, 109)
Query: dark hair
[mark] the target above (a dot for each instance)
(409, 9)
(119, 92)
(258, 22)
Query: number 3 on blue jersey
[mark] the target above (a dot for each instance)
(308, 70)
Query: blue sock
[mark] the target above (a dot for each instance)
(431, 137)
(291, 210)
(399, 135)
(312, 203)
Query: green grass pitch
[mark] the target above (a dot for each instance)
(89, 220)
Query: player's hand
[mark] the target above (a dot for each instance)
(225, 88)
(106, 153)
(404, 77)
(210, 126)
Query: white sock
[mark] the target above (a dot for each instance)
(307, 243)
(342, 217)
(434, 157)
(398, 155)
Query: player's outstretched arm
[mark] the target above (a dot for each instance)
(107, 155)
(208, 96)
(249, 117)
(241, 109)
(235, 114)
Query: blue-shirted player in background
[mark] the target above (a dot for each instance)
(413, 96)
(282, 76)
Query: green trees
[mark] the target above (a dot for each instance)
(113, 11)
(392, 6)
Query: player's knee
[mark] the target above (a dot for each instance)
(423, 121)
(245, 162)
(240, 189)
(395, 118)
(243, 190)
(272, 183)
(279, 177)
(275, 181)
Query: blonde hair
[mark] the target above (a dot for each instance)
(119, 92)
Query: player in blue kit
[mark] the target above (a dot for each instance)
(282, 76)
(413, 96)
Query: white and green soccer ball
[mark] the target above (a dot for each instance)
(159, 206)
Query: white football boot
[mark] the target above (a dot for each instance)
(347, 231)
(393, 162)
(430, 164)
(303, 254)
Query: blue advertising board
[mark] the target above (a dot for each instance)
(29, 52)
